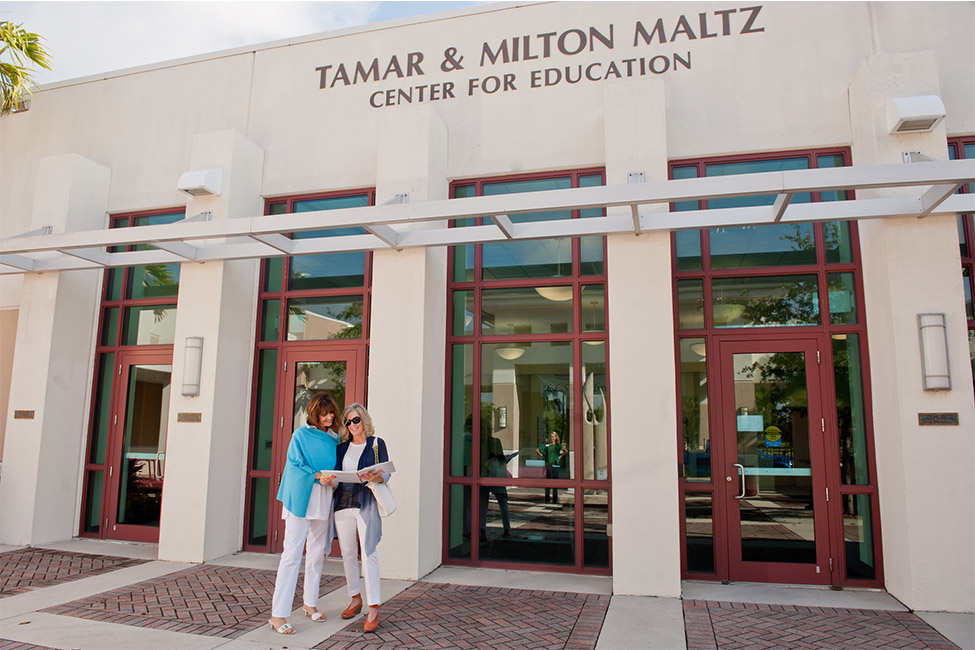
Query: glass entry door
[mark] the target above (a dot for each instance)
(775, 480)
(137, 464)
(306, 373)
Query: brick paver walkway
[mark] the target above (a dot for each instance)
(209, 599)
(7, 644)
(712, 625)
(32, 568)
(434, 616)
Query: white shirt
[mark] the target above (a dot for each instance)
(351, 461)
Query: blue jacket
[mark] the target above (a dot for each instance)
(311, 450)
(367, 503)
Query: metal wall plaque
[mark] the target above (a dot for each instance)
(937, 419)
(189, 417)
(23, 415)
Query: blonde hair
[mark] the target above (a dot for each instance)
(361, 412)
(558, 439)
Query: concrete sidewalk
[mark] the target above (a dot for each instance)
(95, 595)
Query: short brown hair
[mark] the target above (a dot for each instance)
(319, 404)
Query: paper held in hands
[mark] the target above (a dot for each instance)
(353, 477)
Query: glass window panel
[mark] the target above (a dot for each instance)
(526, 310)
(858, 537)
(595, 412)
(260, 502)
(459, 522)
(962, 243)
(464, 261)
(831, 160)
(740, 247)
(93, 502)
(327, 271)
(839, 244)
(689, 171)
(688, 250)
(464, 191)
(110, 326)
(694, 409)
(264, 418)
(971, 350)
(463, 314)
(530, 185)
(773, 440)
(542, 258)
(332, 203)
(461, 410)
(113, 284)
(690, 304)
(755, 167)
(591, 255)
(273, 269)
(151, 325)
(312, 377)
(700, 532)
(516, 525)
(101, 416)
(157, 219)
(595, 528)
(768, 301)
(966, 274)
(329, 317)
(153, 280)
(969, 154)
(278, 208)
(842, 299)
(526, 395)
(593, 308)
(850, 412)
(271, 320)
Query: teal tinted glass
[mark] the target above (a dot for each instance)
(461, 408)
(755, 167)
(151, 325)
(273, 268)
(330, 270)
(271, 320)
(967, 280)
(278, 208)
(858, 537)
(110, 326)
(694, 409)
(688, 250)
(826, 161)
(685, 172)
(101, 416)
(154, 280)
(770, 301)
(260, 501)
(758, 246)
(113, 284)
(851, 416)
(264, 418)
(459, 522)
(591, 248)
(698, 517)
(526, 310)
(690, 304)
(463, 256)
(962, 242)
(93, 502)
(838, 242)
(595, 527)
(969, 154)
(330, 317)
(842, 299)
(463, 313)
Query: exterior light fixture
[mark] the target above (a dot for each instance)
(201, 182)
(914, 114)
(933, 335)
(192, 365)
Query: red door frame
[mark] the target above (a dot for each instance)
(125, 359)
(284, 404)
(727, 529)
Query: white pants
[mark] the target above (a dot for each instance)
(296, 532)
(347, 523)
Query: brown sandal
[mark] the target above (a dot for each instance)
(370, 626)
(352, 609)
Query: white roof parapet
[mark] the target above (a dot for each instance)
(388, 225)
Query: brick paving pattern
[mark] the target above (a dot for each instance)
(711, 625)
(7, 644)
(210, 600)
(434, 616)
(33, 568)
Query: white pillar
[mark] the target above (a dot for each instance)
(43, 455)
(646, 515)
(406, 355)
(911, 266)
(202, 508)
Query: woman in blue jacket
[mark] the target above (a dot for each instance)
(306, 498)
(356, 511)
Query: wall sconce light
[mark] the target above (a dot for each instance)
(933, 334)
(201, 182)
(192, 365)
(914, 114)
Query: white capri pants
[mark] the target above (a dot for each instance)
(296, 531)
(347, 522)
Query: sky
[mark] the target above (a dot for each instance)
(86, 38)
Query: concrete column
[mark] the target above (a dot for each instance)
(643, 399)
(43, 455)
(911, 266)
(202, 508)
(406, 356)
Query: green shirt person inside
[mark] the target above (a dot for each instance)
(552, 453)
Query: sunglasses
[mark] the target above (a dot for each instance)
(355, 420)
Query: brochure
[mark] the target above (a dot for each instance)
(353, 477)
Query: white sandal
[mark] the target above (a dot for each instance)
(316, 616)
(285, 628)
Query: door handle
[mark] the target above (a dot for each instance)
(741, 474)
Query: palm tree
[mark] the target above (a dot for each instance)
(20, 51)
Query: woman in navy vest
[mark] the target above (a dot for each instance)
(356, 510)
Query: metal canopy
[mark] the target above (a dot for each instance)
(901, 190)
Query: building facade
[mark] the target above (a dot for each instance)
(659, 291)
